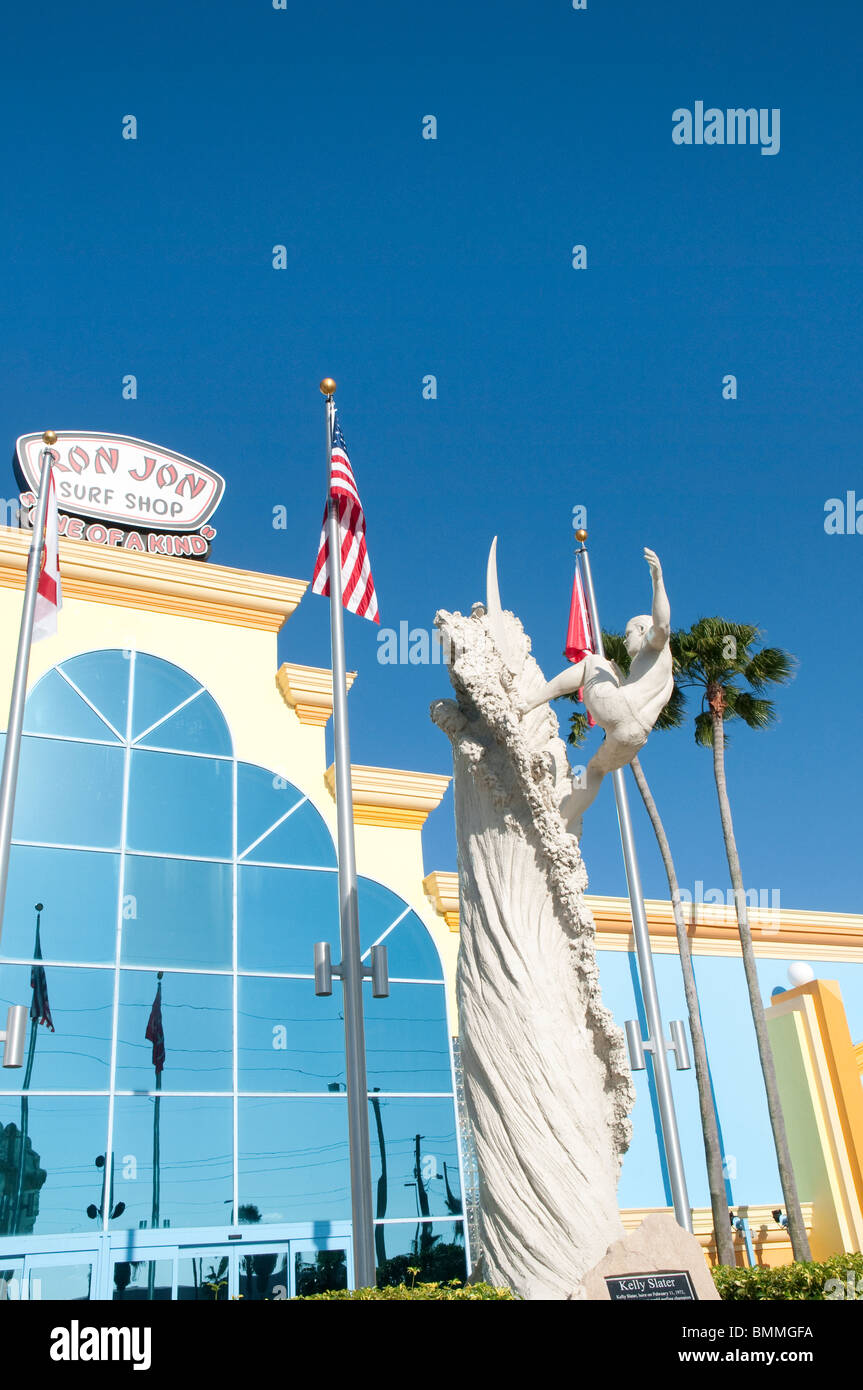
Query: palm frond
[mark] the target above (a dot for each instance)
(770, 666)
(578, 727)
(713, 650)
(757, 714)
(704, 730)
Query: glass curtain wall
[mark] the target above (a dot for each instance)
(163, 903)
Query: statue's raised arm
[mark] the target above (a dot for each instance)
(660, 630)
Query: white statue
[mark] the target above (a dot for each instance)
(626, 709)
(546, 1078)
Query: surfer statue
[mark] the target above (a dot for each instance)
(626, 709)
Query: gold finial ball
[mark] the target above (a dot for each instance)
(581, 534)
(49, 437)
(328, 386)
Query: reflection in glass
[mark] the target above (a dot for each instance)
(282, 913)
(177, 912)
(75, 1055)
(202, 1278)
(79, 891)
(293, 1158)
(194, 1180)
(289, 1040)
(11, 1276)
(421, 1154)
(65, 1133)
(173, 1157)
(137, 1281)
(89, 811)
(180, 805)
(197, 1027)
(319, 1271)
(263, 1274)
(436, 1250)
(407, 1040)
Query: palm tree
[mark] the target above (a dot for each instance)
(672, 717)
(723, 661)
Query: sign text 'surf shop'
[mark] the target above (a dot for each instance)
(114, 490)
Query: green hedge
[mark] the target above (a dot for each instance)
(802, 1280)
(454, 1289)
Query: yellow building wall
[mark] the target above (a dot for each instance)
(824, 1123)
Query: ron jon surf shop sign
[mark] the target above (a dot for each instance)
(115, 490)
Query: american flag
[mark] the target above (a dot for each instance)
(40, 1009)
(358, 588)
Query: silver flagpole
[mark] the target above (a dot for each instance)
(351, 970)
(12, 752)
(656, 1042)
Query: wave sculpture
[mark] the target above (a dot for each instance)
(547, 1084)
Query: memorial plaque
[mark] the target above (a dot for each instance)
(658, 1285)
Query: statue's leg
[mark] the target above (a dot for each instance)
(566, 683)
(574, 805)
(611, 754)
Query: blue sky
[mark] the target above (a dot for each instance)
(406, 256)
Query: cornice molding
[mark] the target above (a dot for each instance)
(442, 889)
(391, 797)
(308, 690)
(764, 1230)
(712, 928)
(159, 583)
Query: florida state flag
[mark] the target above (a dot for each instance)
(49, 596)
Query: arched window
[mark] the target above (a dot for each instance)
(181, 894)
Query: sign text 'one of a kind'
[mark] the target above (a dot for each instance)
(118, 491)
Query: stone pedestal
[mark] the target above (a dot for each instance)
(642, 1263)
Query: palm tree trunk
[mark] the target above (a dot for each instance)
(709, 1126)
(796, 1227)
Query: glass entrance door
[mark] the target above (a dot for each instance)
(320, 1266)
(274, 1270)
(66, 1277)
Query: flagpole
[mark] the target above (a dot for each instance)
(12, 752)
(351, 970)
(656, 1041)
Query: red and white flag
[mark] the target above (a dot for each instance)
(358, 589)
(579, 639)
(49, 595)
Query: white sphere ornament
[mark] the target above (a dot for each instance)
(800, 973)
